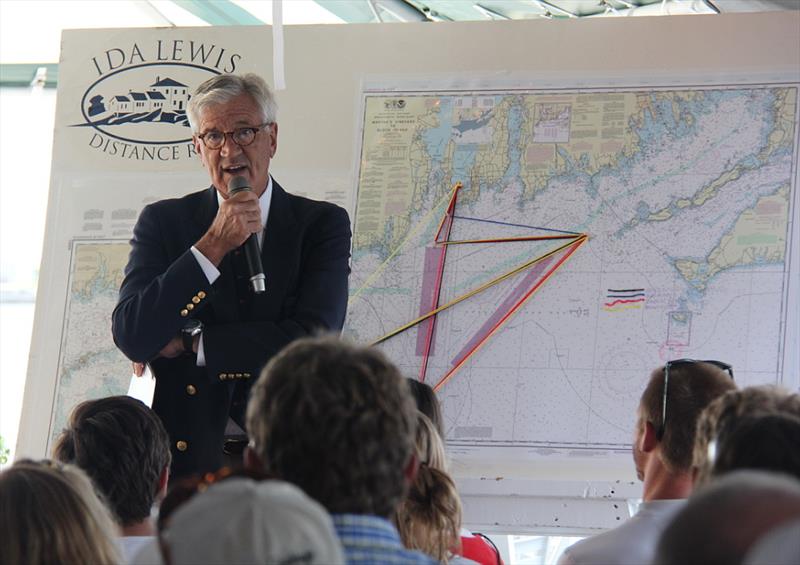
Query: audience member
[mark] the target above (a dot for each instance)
(428, 403)
(664, 437)
(429, 517)
(723, 520)
(123, 447)
(751, 428)
(339, 421)
(428, 443)
(49, 513)
(426, 517)
(238, 519)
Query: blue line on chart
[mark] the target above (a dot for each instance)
(624, 295)
(514, 225)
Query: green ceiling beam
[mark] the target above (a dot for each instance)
(23, 74)
(351, 11)
(219, 12)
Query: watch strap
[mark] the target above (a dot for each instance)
(188, 340)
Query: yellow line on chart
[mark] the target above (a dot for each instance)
(453, 192)
(511, 239)
(511, 312)
(625, 307)
(413, 232)
(579, 241)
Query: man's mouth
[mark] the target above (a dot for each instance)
(235, 169)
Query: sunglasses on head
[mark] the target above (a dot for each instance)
(677, 363)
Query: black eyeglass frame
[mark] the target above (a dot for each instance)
(673, 363)
(232, 134)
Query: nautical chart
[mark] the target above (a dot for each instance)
(534, 255)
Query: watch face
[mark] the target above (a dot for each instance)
(192, 327)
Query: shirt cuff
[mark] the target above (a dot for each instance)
(209, 270)
(201, 353)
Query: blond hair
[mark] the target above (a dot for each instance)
(429, 518)
(430, 447)
(49, 513)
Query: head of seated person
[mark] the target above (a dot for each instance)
(49, 513)
(429, 517)
(427, 403)
(338, 420)
(429, 444)
(664, 436)
(724, 519)
(751, 428)
(123, 446)
(241, 517)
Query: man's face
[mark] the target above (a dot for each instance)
(230, 160)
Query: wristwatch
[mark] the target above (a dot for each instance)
(188, 332)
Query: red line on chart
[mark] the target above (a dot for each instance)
(445, 226)
(570, 250)
(530, 279)
(610, 304)
(433, 276)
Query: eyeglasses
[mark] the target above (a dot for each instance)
(241, 136)
(675, 363)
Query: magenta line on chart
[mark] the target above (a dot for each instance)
(433, 255)
(524, 286)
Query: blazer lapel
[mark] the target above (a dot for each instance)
(205, 213)
(277, 253)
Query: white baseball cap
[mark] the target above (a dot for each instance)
(240, 520)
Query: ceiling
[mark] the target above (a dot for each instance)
(30, 43)
(462, 10)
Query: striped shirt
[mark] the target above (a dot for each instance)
(373, 540)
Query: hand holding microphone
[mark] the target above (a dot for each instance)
(252, 252)
(236, 224)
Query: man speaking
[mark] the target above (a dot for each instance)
(191, 304)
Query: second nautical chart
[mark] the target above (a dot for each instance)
(533, 255)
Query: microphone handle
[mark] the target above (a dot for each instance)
(252, 256)
(252, 252)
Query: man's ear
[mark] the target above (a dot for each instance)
(410, 472)
(163, 482)
(197, 143)
(252, 462)
(648, 440)
(273, 146)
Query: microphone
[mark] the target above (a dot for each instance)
(252, 253)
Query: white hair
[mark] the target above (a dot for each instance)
(223, 88)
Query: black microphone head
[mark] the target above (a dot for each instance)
(238, 184)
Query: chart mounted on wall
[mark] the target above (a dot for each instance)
(534, 254)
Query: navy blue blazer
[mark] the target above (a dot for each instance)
(305, 253)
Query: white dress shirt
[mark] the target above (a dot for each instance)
(211, 271)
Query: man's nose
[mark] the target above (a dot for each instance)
(229, 146)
